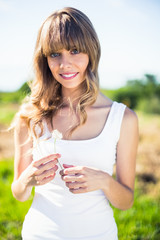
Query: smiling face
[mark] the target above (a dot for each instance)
(67, 51)
(68, 67)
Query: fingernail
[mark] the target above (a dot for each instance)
(67, 165)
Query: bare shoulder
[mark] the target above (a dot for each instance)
(129, 126)
(22, 115)
(20, 125)
(130, 117)
(22, 134)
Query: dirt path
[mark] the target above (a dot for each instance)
(6, 143)
(148, 158)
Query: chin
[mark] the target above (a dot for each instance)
(72, 85)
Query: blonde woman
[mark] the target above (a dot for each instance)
(72, 202)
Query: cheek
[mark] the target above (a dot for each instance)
(52, 68)
(51, 65)
(87, 62)
(84, 64)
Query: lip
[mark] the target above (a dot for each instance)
(68, 76)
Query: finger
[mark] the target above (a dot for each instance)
(65, 166)
(74, 170)
(38, 162)
(73, 178)
(79, 190)
(45, 180)
(46, 166)
(46, 173)
(50, 172)
(76, 185)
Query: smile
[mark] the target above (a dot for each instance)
(69, 76)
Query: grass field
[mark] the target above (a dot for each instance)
(12, 212)
(141, 222)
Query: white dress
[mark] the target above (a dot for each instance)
(56, 213)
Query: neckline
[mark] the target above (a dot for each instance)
(89, 139)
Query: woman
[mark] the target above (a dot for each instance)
(72, 203)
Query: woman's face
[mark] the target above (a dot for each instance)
(68, 67)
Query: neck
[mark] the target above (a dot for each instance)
(71, 97)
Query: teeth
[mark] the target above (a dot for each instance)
(68, 75)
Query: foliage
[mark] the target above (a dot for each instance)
(142, 94)
(10, 97)
(149, 105)
(17, 96)
(25, 89)
(127, 95)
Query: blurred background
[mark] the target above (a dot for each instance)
(129, 72)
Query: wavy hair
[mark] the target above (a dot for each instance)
(64, 29)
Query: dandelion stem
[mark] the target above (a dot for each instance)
(56, 152)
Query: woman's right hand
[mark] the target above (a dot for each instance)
(41, 171)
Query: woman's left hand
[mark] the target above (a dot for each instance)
(82, 179)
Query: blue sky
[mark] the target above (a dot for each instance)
(129, 33)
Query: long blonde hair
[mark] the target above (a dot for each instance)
(64, 29)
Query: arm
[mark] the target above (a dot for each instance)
(119, 192)
(26, 172)
(122, 194)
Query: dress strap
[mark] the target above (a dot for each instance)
(114, 121)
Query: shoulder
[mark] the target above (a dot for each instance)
(22, 136)
(21, 130)
(21, 121)
(129, 127)
(130, 117)
(23, 116)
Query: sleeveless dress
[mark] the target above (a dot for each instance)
(58, 214)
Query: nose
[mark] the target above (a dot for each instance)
(65, 61)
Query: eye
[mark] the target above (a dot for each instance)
(74, 51)
(53, 55)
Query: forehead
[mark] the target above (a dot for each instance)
(62, 33)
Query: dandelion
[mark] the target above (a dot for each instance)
(57, 135)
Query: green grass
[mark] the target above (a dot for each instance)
(12, 212)
(141, 222)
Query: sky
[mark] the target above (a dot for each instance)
(129, 33)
